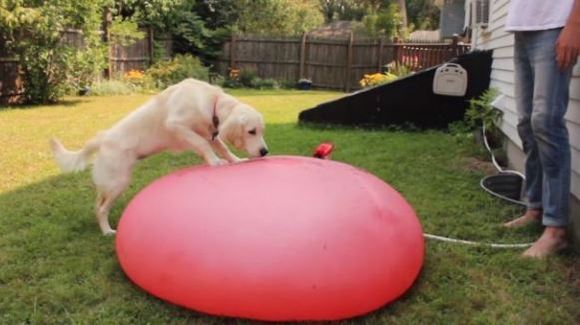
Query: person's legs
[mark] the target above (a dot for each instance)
(524, 87)
(550, 102)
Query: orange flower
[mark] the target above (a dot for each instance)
(234, 73)
(134, 75)
(376, 79)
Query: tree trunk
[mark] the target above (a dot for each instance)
(403, 8)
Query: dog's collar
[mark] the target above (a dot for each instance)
(216, 122)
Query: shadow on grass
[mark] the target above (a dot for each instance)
(273, 92)
(55, 264)
(68, 102)
(407, 127)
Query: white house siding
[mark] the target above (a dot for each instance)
(495, 38)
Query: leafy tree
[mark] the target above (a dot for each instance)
(125, 32)
(423, 14)
(377, 17)
(32, 30)
(218, 13)
(197, 27)
(306, 16)
(403, 11)
(342, 10)
(414, 14)
(156, 13)
(385, 22)
(200, 27)
(277, 17)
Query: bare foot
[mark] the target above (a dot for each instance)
(531, 216)
(552, 241)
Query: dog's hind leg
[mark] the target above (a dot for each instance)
(103, 206)
(102, 214)
(112, 178)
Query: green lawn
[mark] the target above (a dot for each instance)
(56, 267)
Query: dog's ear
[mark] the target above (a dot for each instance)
(232, 130)
(224, 101)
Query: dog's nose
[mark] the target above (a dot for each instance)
(263, 152)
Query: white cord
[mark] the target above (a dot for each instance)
(481, 244)
(474, 243)
(495, 163)
(487, 146)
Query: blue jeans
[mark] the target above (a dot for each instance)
(541, 91)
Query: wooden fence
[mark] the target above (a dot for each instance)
(139, 55)
(329, 63)
(121, 59)
(10, 82)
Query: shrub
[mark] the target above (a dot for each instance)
(135, 78)
(376, 79)
(287, 84)
(217, 80)
(247, 78)
(267, 83)
(43, 75)
(84, 66)
(165, 73)
(50, 74)
(112, 87)
(231, 83)
(400, 70)
(461, 131)
(51, 66)
(481, 112)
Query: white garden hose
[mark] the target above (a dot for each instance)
(493, 160)
(324, 151)
(475, 243)
(482, 244)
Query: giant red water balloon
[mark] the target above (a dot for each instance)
(280, 238)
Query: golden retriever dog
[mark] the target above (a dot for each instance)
(191, 115)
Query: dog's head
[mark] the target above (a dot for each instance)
(244, 129)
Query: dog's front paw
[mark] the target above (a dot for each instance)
(109, 232)
(217, 162)
(240, 160)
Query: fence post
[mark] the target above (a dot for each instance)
(396, 51)
(302, 59)
(455, 43)
(232, 52)
(348, 63)
(380, 54)
(150, 45)
(107, 19)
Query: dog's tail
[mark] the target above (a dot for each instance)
(74, 161)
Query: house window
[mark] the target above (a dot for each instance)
(481, 13)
